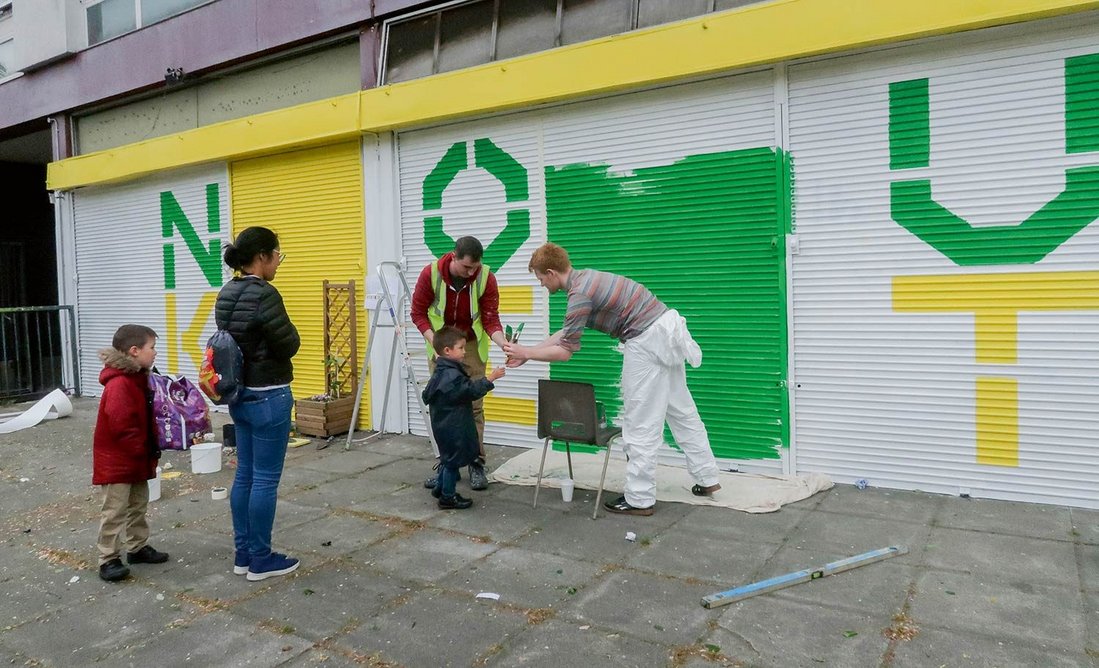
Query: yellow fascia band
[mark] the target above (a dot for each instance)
(766, 33)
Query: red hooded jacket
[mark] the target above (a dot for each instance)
(457, 301)
(123, 449)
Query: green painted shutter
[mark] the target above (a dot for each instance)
(680, 189)
(701, 233)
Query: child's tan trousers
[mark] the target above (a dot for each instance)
(124, 507)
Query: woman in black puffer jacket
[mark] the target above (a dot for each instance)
(251, 310)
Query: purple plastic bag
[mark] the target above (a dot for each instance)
(179, 411)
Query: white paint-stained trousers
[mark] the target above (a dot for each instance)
(654, 388)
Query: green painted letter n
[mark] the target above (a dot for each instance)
(172, 218)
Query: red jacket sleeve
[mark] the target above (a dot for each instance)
(490, 306)
(422, 296)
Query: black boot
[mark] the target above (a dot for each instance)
(114, 570)
(456, 502)
(147, 555)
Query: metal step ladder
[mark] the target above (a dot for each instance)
(394, 294)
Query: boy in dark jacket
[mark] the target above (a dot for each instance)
(124, 451)
(450, 395)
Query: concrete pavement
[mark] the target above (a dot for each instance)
(388, 579)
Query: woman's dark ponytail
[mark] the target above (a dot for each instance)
(250, 242)
(232, 257)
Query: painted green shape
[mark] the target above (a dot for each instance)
(437, 241)
(1071, 211)
(509, 240)
(452, 162)
(208, 258)
(169, 267)
(507, 170)
(909, 124)
(914, 207)
(1082, 103)
(213, 210)
(706, 234)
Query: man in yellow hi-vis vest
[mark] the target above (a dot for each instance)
(459, 291)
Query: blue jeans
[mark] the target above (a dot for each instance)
(262, 426)
(445, 483)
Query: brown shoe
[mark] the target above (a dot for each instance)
(699, 490)
(620, 506)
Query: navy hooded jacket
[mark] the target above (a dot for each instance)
(450, 395)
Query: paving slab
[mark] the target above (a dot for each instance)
(200, 568)
(1033, 520)
(740, 526)
(855, 534)
(506, 523)
(215, 639)
(298, 479)
(346, 462)
(94, 626)
(31, 585)
(1032, 560)
(174, 509)
(772, 631)
(324, 601)
(324, 658)
(1091, 624)
(410, 502)
(436, 628)
(333, 535)
(989, 605)
(1085, 525)
(410, 447)
(547, 645)
(1087, 557)
(523, 578)
(603, 540)
(657, 608)
(722, 562)
(940, 647)
(341, 492)
(426, 555)
(886, 504)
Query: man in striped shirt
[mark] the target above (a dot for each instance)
(655, 345)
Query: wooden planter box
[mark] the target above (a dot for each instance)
(324, 418)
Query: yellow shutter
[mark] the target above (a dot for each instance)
(313, 200)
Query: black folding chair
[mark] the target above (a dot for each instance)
(568, 412)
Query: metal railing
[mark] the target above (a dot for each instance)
(33, 340)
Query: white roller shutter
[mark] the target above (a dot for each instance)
(475, 202)
(974, 368)
(149, 252)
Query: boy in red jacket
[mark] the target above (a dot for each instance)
(124, 451)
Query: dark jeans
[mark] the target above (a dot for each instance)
(448, 478)
(262, 426)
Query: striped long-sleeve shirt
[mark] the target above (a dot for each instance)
(612, 304)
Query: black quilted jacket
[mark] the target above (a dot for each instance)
(251, 309)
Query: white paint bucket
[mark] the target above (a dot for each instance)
(206, 458)
(154, 487)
